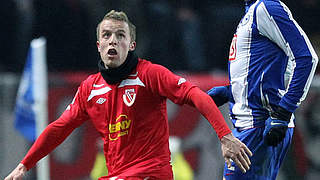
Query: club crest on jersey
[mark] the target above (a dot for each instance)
(245, 19)
(129, 97)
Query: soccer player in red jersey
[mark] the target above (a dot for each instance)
(126, 102)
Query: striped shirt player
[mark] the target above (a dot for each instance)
(271, 65)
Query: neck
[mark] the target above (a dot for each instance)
(115, 75)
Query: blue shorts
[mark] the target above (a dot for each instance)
(266, 160)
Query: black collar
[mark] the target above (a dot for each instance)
(115, 75)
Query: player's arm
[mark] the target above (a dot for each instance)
(180, 91)
(232, 148)
(17, 173)
(53, 135)
(275, 22)
(48, 140)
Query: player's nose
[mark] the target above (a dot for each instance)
(113, 40)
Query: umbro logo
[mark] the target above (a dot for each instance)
(101, 100)
(181, 80)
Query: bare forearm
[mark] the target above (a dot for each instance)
(17, 173)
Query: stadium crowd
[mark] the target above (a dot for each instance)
(183, 35)
(201, 31)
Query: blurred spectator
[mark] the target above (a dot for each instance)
(188, 14)
(178, 41)
(307, 13)
(182, 35)
(159, 16)
(180, 166)
(65, 25)
(9, 28)
(191, 36)
(182, 28)
(99, 168)
(220, 19)
(315, 40)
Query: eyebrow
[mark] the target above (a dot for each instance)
(120, 30)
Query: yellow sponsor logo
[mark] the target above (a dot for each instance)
(120, 128)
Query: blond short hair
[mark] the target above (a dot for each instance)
(119, 16)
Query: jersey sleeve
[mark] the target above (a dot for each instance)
(180, 91)
(57, 131)
(275, 21)
(167, 84)
(207, 107)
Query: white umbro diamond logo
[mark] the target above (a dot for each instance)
(181, 80)
(101, 101)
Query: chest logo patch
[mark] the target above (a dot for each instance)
(129, 97)
(119, 128)
(101, 100)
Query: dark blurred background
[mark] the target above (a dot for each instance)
(181, 34)
(190, 36)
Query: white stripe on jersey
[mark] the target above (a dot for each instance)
(98, 92)
(240, 69)
(130, 82)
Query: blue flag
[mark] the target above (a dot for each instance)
(31, 103)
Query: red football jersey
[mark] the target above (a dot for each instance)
(131, 117)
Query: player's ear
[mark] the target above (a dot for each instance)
(132, 46)
(98, 45)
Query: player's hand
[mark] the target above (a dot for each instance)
(233, 149)
(276, 126)
(220, 94)
(17, 173)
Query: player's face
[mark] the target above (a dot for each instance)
(114, 42)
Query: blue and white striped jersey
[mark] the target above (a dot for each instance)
(271, 62)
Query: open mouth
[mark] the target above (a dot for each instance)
(112, 52)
